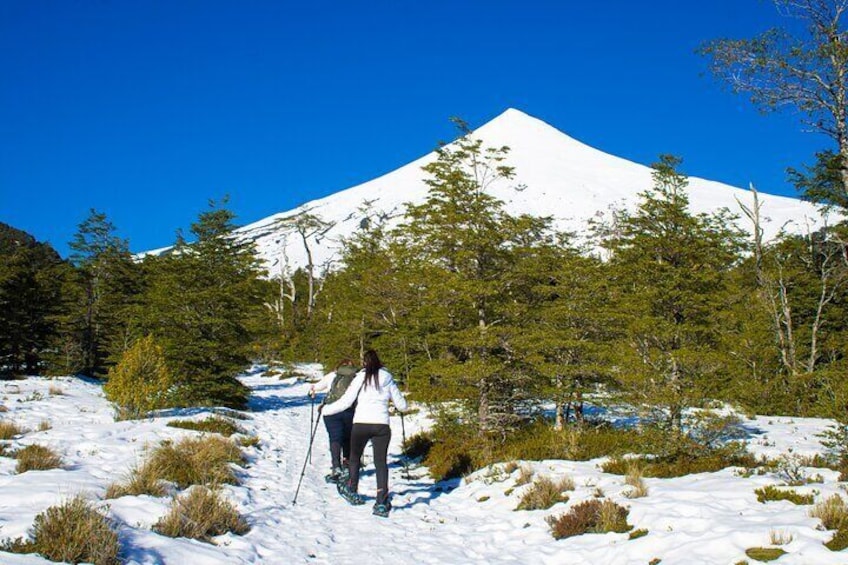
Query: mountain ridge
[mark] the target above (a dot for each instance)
(555, 175)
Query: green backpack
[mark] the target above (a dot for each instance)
(344, 376)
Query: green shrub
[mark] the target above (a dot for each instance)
(212, 424)
(418, 445)
(455, 450)
(72, 532)
(772, 493)
(681, 464)
(196, 461)
(636, 534)
(37, 458)
(544, 493)
(591, 516)
(140, 381)
(764, 553)
(201, 514)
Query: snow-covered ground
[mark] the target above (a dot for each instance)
(708, 518)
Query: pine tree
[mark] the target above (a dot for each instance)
(30, 300)
(670, 272)
(104, 286)
(198, 303)
(462, 245)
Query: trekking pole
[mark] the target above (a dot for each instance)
(403, 446)
(309, 454)
(311, 421)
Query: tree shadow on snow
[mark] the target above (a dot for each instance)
(269, 403)
(131, 553)
(422, 492)
(279, 385)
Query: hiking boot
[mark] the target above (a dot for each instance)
(382, 509)
(350, 496)
(337, 475)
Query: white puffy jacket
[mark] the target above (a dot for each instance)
(372, 403)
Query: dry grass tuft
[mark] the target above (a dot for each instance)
(510, 467)
(37, 458)
(196, 461)
(780, 537)
(544, 493)
(141, 480)
(44, 425)
(525, 476)
(201, 514)
(833, 512)
(591, 516)
(73, 532)
(9, 429)
(213, 424)
(634, 479)
(55, 390)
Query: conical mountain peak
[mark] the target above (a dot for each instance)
(555, 175)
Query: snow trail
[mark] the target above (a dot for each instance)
(708, 518)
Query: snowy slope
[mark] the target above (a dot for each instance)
(556, 175)
(708, 518)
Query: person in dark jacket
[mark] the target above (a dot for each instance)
(339, 425)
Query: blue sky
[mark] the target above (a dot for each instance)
(145, 110)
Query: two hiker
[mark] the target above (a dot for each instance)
(368, 394)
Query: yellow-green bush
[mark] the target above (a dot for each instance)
(9, 429)
(544, 493)
(196, 461)
(140, 480)
(212, 424)
(37, 458)
(72, 532)
(140, 381)
(771, 493)
(201, 514)
(591, 516)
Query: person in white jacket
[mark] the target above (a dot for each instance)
(371, 390)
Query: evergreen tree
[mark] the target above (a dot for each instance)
(670, 274)
(30, 299)
(462, 246)
(199, 303)
(104, 286)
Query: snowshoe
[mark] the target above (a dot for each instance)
(382, 510)
(336, 475)
(350, 496)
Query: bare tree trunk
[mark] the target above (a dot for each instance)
(559, 406)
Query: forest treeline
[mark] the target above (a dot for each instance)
(498, 319)
(660, 308)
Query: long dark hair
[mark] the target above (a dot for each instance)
(372, 368)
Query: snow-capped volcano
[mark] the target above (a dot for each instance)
(555, 175)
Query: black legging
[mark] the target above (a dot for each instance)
(379, 434)
(339, 427)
